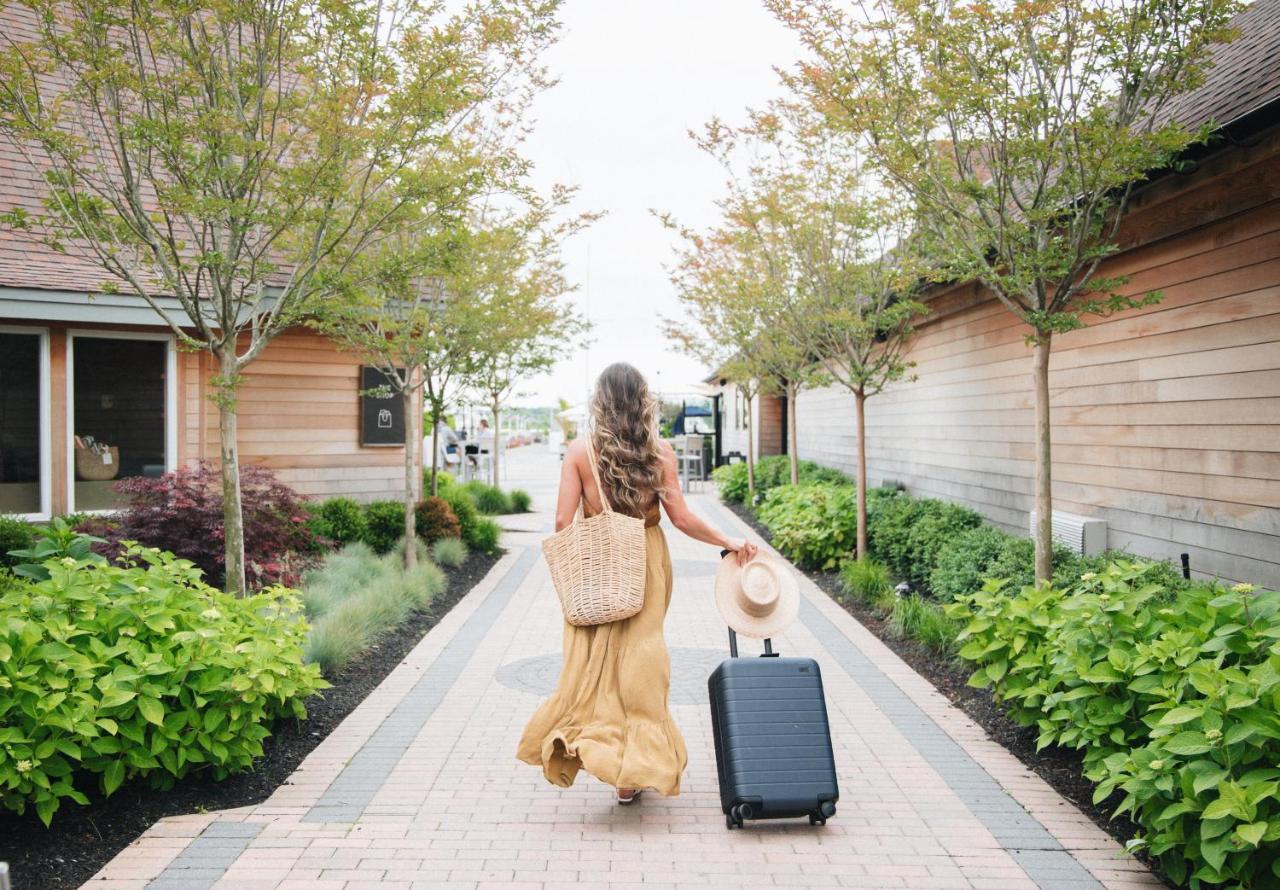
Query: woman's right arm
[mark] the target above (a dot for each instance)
(570, 486)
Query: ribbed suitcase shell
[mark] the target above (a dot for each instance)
(772, 738)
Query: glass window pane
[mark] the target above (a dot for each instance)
(20, 422)
(119, 410)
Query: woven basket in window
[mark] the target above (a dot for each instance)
(94, 467)
(598, 562)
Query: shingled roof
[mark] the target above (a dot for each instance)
(1246, 73)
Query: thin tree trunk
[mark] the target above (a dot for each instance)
(751, 456)
(791, 434)
(1044, 463)
(860, 401)
(435, 451)
(410, 486)
(497, 438)
(232, 513)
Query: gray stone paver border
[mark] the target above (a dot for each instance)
(366, 772)
(1038, 852)
(206, 859)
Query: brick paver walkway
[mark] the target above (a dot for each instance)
(419, 787)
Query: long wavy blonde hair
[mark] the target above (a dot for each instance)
(624, 416)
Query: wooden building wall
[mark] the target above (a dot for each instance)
(299, 416)
(1166, 420)
(766, 424)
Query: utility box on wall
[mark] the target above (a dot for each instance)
(1085, 535)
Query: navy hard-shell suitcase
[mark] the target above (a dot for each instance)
(772, 738)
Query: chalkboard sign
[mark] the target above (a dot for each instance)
(381, 410)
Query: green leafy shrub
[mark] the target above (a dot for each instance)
(15, 534)
(963, 562)
(340, 520)
(451, 552)
(354, 597)
(139, 669)
(731, 479)
(435, 519)
(489, 498)
(384, 525)
(867, 581)
(1172, 694)
(937, 524)
(909, 533)
(483, 536)
(57, 540)
(814, 524)
(1205, 785)
(775, 470)
(444, 479)
(464, 507)
(521, 502)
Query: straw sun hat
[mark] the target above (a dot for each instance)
(759, 599)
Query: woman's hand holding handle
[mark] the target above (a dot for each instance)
(743, 550)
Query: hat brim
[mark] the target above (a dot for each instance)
(745, 624)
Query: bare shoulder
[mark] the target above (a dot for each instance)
(576, 449)
(667, 453)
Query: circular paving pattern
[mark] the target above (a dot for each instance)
(689, 671)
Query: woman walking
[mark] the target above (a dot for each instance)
(609, 713)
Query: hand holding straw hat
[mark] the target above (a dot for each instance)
(759, 599)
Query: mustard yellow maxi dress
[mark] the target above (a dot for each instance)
(609, 713)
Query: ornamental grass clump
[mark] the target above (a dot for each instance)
(449, 552)
(355, 597)
(915, 618)
(133, 669)
(867, 581)
(488, 498)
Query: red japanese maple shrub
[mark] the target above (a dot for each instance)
(182, 512)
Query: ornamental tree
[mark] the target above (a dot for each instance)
(1019, 130)
(856, 264)
(514, 279)
(713, 292)
(221, 154)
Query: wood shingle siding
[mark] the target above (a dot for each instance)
(1166, 419)
(299, 416)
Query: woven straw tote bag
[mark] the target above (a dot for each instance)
(598, 563)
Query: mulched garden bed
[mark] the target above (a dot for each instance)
(1059, 767)
(83, 839)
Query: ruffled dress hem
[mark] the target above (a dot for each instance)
(566, 750)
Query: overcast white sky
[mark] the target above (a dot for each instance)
(635, 76)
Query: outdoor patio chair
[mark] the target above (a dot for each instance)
(689, 460)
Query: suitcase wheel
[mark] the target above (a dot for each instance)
(825, 812)
(737, 814)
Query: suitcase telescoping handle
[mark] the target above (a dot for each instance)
(733, 636)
